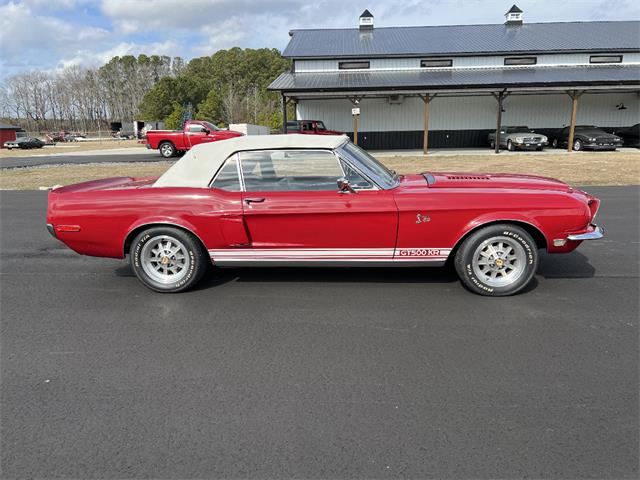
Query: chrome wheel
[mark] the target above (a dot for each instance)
(166, 150)
(499, 261)
(165, 259)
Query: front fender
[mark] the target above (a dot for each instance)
(499, 217)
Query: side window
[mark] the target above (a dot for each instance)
(289, 170)
(356, 180)
(196, 128)
(227, 177)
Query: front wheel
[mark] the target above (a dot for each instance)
(577, 145)
(167, 259)
(167, 149)
(497, 260)
(554, 143)
(510, 146)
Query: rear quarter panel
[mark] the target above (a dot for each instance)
(106, 217)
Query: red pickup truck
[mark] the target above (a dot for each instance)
(309, 127)
(170, 142)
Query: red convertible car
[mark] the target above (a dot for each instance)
(317, 201)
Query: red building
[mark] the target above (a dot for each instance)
(8, 133)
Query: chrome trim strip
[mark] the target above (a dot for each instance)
(51, 230)
(596, 234)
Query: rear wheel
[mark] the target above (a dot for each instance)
(167, 149)
(497, 260)
(554, 144)
(168, 259)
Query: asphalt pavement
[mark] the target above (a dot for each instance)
(318, 373)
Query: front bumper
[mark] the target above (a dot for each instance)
(602, 145)
(594, 232)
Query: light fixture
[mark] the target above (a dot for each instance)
(621, 106)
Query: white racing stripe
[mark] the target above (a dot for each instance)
(425, 254)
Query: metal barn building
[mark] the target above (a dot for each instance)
(449, 86)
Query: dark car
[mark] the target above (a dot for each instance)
(630, 135)
(587, 137)
(24, 142)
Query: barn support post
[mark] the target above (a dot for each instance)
(500, 97)
(575, 95)
(284, 113)
(355, 101)
(355, 129)
(425, 141)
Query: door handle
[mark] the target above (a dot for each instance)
(249, 201)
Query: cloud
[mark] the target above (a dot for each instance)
(26, 36)
(152, 15)
(45, 34)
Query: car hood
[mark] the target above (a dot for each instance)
(482, 180)
(596, 133)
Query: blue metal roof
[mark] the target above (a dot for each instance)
(457, 79)
(465, 39)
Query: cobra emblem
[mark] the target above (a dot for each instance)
(422, 218)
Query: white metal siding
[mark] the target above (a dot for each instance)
(472, 113)
(458, 62)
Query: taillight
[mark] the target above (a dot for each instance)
(594, 205)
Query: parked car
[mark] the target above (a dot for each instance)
(195, 132)
(586, 137)
(518, 138)
(630, 135)
(24, 142)
(307, 200)
(309, 127)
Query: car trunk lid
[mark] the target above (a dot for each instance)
(115, 183)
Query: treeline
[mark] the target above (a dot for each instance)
(84, 99)
(227, 87)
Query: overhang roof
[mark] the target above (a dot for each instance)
(465, 39)
(456, 79)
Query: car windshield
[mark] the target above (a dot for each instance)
(586, 127)
(210, 126)
(522, 129)
(320, 126)
(368, 165)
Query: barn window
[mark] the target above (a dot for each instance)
(520, 60)
(605, 59)
(436, 62)
(353, 65)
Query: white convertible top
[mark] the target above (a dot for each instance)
(197, 167)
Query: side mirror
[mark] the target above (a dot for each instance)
(206, 131)
(344, 186)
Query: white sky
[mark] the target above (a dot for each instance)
(49, 34)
